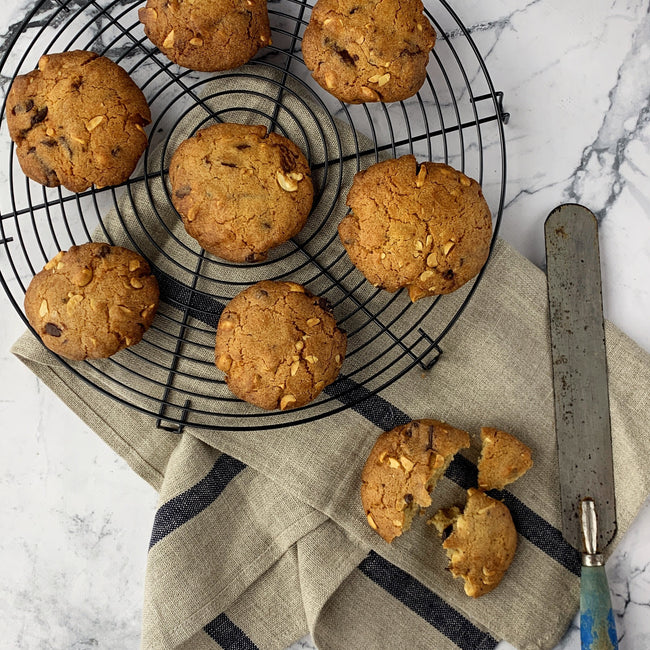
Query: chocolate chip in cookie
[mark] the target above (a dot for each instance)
(278, 345)
(92, 301)
(78, 120)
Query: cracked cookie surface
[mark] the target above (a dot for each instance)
(428, 230)
(278, 345)
(368, 51)
(240, 190)
(482, 543)
(207, 35)
(402, 470)
(77, 120)
(92, 301)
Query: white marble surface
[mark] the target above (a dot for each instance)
(75, 520)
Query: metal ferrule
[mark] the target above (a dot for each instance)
(589, 521)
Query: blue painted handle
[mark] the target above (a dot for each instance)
(597, 627)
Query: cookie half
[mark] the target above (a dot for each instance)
(279, 345)
(402, 470)
(427, 229)
(78, 120)
(369, 51)
(482, 543)
(207, 35)
(92, 301)
(503, 460)
(240, 190)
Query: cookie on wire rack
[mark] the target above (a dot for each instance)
(78, 120)
(278, 345)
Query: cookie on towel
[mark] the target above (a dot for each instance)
(503, 460)
(279, 345)
(92, 301)
(369, 51)
(482, 543)
(427, 229)
(402, 470)
(207, 35)
(240, 190)
(77, 121)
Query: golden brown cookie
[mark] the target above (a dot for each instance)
(427, 229)
(240, 190)
(207, 35)
(482, 544)
(77, 121)
(370, 51)
(402, 470)
(503, 460)
(278, 345)
(92, 301)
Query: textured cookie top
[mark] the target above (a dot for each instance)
(278, 345)
(503, 460)
(77, 121)
(207, 35)
(240, 190)
(427, 229)
(91, 301)
(370, 51)
(482, 544)
(402, 470)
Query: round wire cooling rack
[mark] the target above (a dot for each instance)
(456, 118)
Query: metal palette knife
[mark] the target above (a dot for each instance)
(582, 420)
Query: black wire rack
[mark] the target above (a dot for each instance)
(457, 118)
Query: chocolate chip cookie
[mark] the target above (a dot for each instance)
(427, 229)
(240, 190)
(207, 35)
(278, 345)
(503, 459)
(482, 543)
(370, 51)
(77, 120)
(402, 470)
(92, 301)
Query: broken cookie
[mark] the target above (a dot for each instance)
(482, 543)
(370, 51)
(240, 190)
(503, 460)
(427, 229)
(78, 120)
(278, 345)
(402, 470)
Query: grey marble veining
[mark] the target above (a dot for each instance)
(576, 83)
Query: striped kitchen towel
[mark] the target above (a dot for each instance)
(260, 536)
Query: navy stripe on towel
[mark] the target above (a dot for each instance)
(190, 503)
(433, 609)
(228, 635)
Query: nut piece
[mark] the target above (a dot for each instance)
(310, 358)
(197, 41)
(432, 259)
(287, 183)
(54, 261)
(84, 277)
(43, 311)
(330, 80)
(419, 245)
(419, 181)
(136, 283)
(393, 462)
(426, 275)
(464, 180)
(224, 362)
(384, 79)
(192, 212)
(134, 265)
(447, 247)
(313, 321)
(297, 176)
(300, 345)
(226, 324)
(295, 288)
(294, 368)
(287, 401)
(369, 94)
(169, 40)
(337, 358)
(371, 521)
(406, 463)
(374, 79)
(95, 122)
